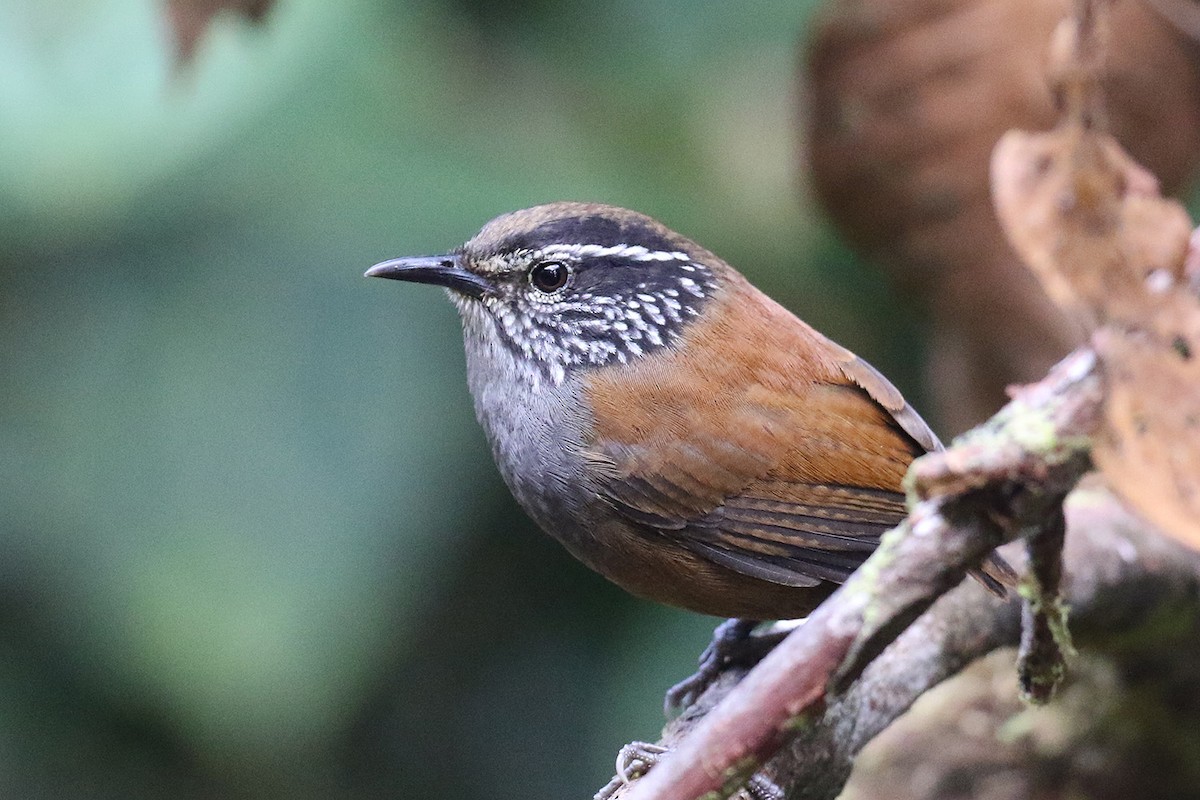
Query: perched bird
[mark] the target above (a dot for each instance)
(676, 429)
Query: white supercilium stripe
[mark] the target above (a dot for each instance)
(634, 252)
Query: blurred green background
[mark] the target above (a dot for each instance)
(252, 541)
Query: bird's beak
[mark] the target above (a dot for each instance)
(444, 270)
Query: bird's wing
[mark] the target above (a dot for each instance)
(791, 506)
(823, 537)
(787, 470)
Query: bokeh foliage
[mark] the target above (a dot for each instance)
(252, 541)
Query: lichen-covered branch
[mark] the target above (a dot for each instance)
(1113, 559)
(1122, 580)
(1045, 638)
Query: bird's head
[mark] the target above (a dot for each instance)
(569, 286)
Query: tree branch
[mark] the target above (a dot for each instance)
(1122, 576)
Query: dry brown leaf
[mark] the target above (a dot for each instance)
(1089, 222)
(1149, 448)
(189, 19)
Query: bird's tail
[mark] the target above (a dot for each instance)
(996, 575)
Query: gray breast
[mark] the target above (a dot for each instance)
(535, 428)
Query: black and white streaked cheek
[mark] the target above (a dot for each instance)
(638, 300)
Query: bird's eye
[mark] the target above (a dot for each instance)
(549, 276)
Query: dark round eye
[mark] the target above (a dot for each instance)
(549, 276)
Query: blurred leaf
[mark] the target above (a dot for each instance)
(189, 19)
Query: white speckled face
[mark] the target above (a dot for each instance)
(569, 305)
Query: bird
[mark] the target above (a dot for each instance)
(676, 429)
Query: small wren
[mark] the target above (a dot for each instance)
(676, 429)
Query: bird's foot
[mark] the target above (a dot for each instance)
(636, 758)
(633, 761)
(732, 644)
